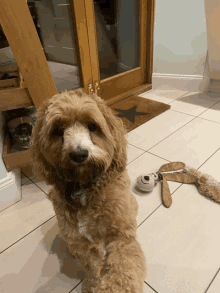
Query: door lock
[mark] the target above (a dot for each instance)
(90, 88)
(97, 88)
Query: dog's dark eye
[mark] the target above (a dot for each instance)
(58, 132)
(92, 127)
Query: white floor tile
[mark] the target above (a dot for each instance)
(148, 202)
(158, 128)
(39, 263)
(23, 217)
(193, 144)
(211, 166)
(163, 95)
(181, 244)
(212, 114)
(195, 103)
(42, 185)
(215, 286)
(133, 153)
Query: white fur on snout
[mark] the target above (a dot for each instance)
(78, 137)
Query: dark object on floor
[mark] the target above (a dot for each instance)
(20, 123)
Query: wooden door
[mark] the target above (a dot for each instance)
(63, 32)
(120, 40)
(54, 26)
(100, 45)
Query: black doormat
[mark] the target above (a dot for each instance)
(135, 111)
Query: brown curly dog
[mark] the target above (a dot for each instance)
(78, 146)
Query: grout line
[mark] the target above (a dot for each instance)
(27, 176)
(25, 181)
(166, 136)
(137, 147)
(200, 113)
(150, 287)
(158, 206)
(136, 158)
(183, 113)
(179, 97)
(212, 280)
(149, 215)
(208, 119)
(11, 205)
(154, 156)
(159, 157)
(27, 234)
(76, 286)
(199, 117)
(208, 109)
(151, 91)
(172, 133)
(148, 153)
(208, 158)
(37, 185)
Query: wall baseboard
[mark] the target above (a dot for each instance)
(10, 189)
(193, 83)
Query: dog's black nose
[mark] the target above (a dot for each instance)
(79, 156)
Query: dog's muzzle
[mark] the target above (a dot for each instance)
(79, 156)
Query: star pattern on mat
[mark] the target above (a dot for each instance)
(130, 113)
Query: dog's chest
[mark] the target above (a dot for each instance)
(87, 226)
(83, 226)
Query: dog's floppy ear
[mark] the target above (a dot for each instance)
(118, 132)
(41, 167)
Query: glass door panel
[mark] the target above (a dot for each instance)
(53, 21)
(117, 31)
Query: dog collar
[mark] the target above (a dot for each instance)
(76, 195)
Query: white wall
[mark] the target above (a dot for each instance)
(180, 40)
(213, 22)
(10, 182)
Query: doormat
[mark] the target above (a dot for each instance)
(135, 111)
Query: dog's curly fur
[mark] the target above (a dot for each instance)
(100, 228)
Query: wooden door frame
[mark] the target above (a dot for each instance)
(150, 39)
(18, 25)
(80, 23)
(21, 33)
(137, 78)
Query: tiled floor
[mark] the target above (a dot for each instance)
(181, 244)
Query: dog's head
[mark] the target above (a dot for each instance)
(77, 137)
